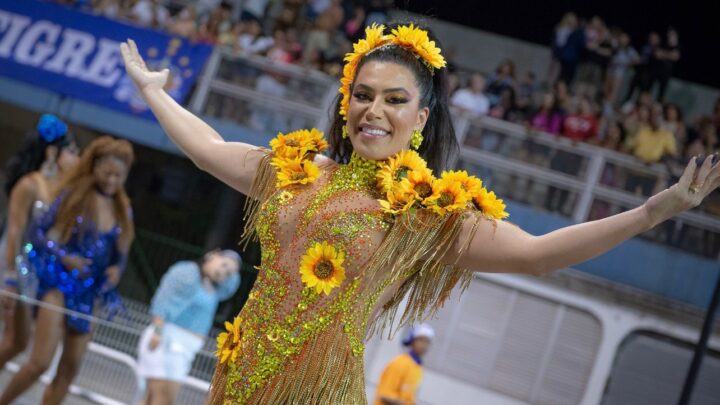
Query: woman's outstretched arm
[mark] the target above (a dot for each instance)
(509, 249)
(234, 163)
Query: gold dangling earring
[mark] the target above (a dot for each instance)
(416, 139)
(344, 132)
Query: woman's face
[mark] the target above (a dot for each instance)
(548, 101)
(218, 267)
(110, 174)
(69, 157)
(384, 110)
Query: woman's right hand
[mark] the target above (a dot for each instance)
(8, 303)
(154, 341)
(138, 71)
(75, 262)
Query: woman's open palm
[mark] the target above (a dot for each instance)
(138, 71)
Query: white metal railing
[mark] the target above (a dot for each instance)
(294, 90)
(111, 358)
(586, 183)
(230, 84)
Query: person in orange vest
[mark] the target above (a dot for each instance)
(401, 378)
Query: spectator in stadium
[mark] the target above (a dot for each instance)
(549, 117)
(150, 13)
(596, 56)
(527, 92)
(562, 94)
(625, 57)
(471, 99)
(652, 142)
(185, 23)
(581, 125)
(505, 108)
(715, 117)
(614, 137)
(570, 53)
(217, 23)
(645, 70)
(323, 29)
(253, 40)
(502, 79)
(79, 249)
(32, 175)
(673, 122)
(116, 9)
(563, 29)
(704, 140)
(401, 377)
(182, 309)
(667, 57)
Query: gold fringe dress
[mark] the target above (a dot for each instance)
(297, 346)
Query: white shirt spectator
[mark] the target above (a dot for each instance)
(143, 13)
(255, 7)
(475, 103)
(251, 44)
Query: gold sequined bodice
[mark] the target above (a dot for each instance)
(288, 328)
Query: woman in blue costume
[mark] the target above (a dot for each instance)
(79, 248)
(32, 174)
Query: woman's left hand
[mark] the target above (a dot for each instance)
(154, 341)
(695, 184)
(112, 276)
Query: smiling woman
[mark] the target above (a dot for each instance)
(346, 237)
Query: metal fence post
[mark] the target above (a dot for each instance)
(582, 208)
(199, 98)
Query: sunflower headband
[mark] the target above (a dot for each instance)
(409, 37)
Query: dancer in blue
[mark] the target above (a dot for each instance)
(32, 174)
(78, 251)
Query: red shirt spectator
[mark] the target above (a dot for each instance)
(582, 125)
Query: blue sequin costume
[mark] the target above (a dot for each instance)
(80, 287)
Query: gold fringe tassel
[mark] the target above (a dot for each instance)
(413, 251)
(324, 372)
(263, 186)
(218, 384)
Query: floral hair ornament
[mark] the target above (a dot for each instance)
(412, 38)
(50, 128)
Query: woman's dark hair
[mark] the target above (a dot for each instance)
(668, 106)
(32, 155)
(439, 143)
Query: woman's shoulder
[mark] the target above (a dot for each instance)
(325, 163)
(28, 185)
(185, 272)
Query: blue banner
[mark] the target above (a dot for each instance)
(78, 54)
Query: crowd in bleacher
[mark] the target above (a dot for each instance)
(602, 87)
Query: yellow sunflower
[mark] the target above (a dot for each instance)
(447, 196)
(228, 342)
(397, 168)
(321, 267)
(317, 140)
(418, 184)
(295, 171)
(490, 205)
(416, 39)
(298, 143)
(471, 184)
(290, 146)
(374, 38)
(397, 202)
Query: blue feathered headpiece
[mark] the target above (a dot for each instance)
(51, 128)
